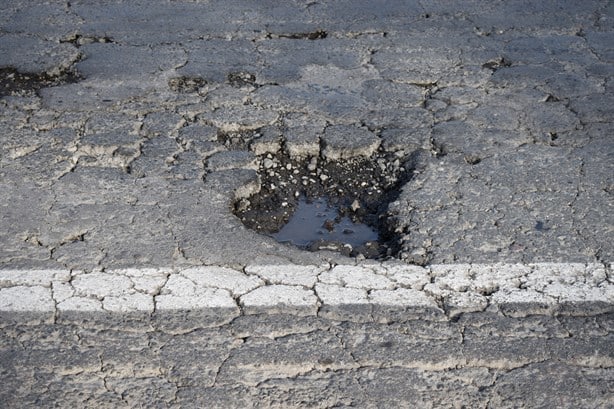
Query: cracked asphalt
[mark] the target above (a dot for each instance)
(130, 130)
(374, 335)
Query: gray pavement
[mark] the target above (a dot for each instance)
(370, 335)
(129, 130)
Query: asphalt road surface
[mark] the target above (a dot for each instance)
(131, 132)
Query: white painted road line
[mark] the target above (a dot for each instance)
(452, 288)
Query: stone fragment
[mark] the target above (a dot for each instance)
(268, 163)
(242, 183)
(236, 282)
(43, 278)
(280, 299)
(402, 297)
(232, 160)
(80, 305)
(380, 92)
(343, 142)
(205, 299)
(25, 298)
(239, 117)
(523, 303)
(286, 274)
(302, 141)
(269, 141)
(136, 61)
(129, 303)
(335, 295)
(410, 276)
(214, 59)
(461, 303)
(101, 284)
(196, 132)
(31, 54)
(404, 140)
(356, 277)
(344, 303)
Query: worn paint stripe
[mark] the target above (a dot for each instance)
(466, 287)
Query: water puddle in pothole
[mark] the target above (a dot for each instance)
(315, 222)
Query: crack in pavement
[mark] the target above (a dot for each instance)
(129, 139)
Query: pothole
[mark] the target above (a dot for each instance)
(316, 203)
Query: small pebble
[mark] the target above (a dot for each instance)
(313, 164)
(268, 163)
(243, 205)
(329, 225)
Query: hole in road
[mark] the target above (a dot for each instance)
(318, 204)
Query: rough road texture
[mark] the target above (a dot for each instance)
(511, 102)
(128, 131)
(377, 335)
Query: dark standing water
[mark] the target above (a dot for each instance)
(315, 220)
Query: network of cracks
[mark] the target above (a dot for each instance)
(309, 201)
